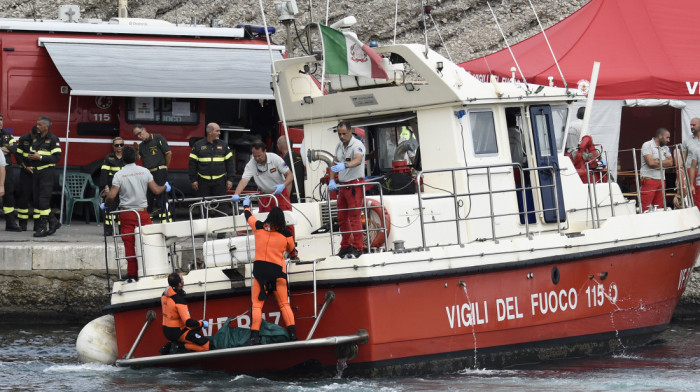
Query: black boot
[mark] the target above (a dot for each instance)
(22, 224)
(41, 227)
(254, 338)
(54, 224)
(292, 329)
(11, 222)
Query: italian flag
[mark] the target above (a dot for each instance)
(344, 54)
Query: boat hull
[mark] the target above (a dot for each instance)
(438, 321)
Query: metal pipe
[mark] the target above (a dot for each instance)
(636, 179)
(320, 155)
(150, 316)
(330, 296)
(401, 150)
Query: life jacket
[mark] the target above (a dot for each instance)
(588, 156)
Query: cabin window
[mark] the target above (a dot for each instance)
(148, 110)
(540, 121)
(483, 131)
(559, 115)
(391, 137)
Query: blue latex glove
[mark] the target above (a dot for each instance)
(332, 186)
(246, 201)
(339, 166)
(167, 187)
(236, 198)
(279, 188)
(205, 324)
(102, 206)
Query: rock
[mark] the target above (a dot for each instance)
(466, 25)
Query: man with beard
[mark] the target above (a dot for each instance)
(655, 157)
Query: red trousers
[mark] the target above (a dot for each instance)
(651, 193)
(349, 220)
(265, 204)
(129, 221)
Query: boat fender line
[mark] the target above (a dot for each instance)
(97, 341)
(555, 275)
(150, 316)
(376, 207)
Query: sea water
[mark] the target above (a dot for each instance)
(43, 358)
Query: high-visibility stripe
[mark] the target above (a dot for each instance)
(8, 210)
(44, 167)
(211, 159)
(111, 168)
(210, 177)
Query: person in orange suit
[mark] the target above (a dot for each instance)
(272, 239)
(178, 326)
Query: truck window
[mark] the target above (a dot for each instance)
(176, 111)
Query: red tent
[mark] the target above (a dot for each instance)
(649, 52)
(647, 49)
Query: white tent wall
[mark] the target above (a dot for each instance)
(607, 114)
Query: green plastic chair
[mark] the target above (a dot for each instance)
(75, 192)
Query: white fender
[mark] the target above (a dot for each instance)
(97, 341)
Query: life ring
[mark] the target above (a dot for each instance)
(374, 211)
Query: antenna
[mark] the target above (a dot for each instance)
(508, 45)
(426, 9)
(550, 46)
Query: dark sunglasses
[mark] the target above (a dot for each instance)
(119, 145)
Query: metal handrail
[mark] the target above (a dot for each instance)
(455, 196)
(115, 226)
(681, 188)
(365, 209)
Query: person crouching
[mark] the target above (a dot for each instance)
(178, 326)
(272, 239)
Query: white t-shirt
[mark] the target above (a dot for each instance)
(3, 162)
(650, 148)
(574, 135)
(268, 175)
(345, 154)
(133, 182)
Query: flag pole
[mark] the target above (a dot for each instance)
(281, 103)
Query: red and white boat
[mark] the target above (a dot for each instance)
(464, 269)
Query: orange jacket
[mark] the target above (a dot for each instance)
(270, 245)
(176, 314)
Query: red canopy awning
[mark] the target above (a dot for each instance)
(647, 49)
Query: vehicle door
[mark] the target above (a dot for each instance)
(546, 156)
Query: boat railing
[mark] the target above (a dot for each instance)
(208, 207)
(597, 173)
(631, 181)
(368, 232)
(118, 234)
(521, 190)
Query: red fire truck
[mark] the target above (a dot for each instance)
(96, 80)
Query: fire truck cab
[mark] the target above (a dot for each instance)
(96, 80)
